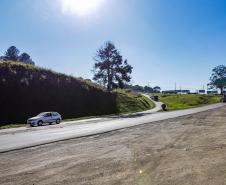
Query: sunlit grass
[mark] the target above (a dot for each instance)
(132, 102)
(12, 126)
(185, 101)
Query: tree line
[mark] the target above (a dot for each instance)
(112, 71)
(13, 54)
(144, 89)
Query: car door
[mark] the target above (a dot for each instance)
(54, 117)
(48, 118)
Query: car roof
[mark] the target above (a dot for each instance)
(48, 112)
(53, 112)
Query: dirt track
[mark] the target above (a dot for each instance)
(182, 151)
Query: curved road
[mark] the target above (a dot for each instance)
(13, 139)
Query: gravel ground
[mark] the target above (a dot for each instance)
(184, 151)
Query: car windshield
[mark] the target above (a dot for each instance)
(42, 114)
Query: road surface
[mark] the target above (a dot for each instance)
(13, 139)
(189, 150)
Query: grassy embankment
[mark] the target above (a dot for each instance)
(125, 104)
(185, 101)
(27, 90)
(128, 102)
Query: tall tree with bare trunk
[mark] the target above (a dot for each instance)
(110, 69)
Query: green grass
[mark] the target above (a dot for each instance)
(12, 126)
(128, 102)
(185, 101)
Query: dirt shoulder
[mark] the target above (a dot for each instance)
(186, 150)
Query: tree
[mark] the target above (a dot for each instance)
(157, 89)
(25, 58)
(12, 54)
(218, 78)
(138, 88)
(148, 89)
(110, 69)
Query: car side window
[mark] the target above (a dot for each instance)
(48, 115)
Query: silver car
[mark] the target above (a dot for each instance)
(45, 117)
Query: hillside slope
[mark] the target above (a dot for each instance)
(26, 90)
(184, 101)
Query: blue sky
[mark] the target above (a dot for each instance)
(166, 41)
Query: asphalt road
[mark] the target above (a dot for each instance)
(13, 139)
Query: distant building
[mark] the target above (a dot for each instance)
(212, 92)
(176, 92)
(201, 91)
(183, 91)
(169, 92)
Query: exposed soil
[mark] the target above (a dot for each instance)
(190, 150)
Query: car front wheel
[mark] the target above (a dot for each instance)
(40, 123)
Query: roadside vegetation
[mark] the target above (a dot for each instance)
(5, 126)
(127, 102)
(218, 78)
(13, 54)
(27, 90)
(132, 102)
(185, 101)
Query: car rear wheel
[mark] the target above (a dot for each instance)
(40, 123)
(58, 121)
